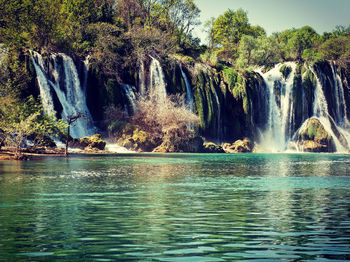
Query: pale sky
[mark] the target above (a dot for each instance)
(278, 15)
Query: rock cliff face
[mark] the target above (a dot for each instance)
(274, 109)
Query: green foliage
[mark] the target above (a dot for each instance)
(294, 41)
(253, 51)
(230, 26)
(315, 131)
(14, 77)
(227, 30)
(184, 59)
(105, 44)
(210, 57)
(335, 48)
(230, 76)
(19, 120)
(285, 70)
(93, 142)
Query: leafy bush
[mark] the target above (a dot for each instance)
(285, 70)
(210, 58)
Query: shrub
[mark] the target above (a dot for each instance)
(285, 70)
(210, 58)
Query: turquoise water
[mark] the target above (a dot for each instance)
(282, 207)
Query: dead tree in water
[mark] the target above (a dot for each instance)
(71, 119)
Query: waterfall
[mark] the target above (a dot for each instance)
(321, 112)
(341, 109)
(189, 94)
(281, 113)
(62, 78)
(130, 94)
(157, 86)
(3, 54)
(86, 72)
(43, 82)
(219, 129)
(142, 85)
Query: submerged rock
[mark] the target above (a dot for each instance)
(240, 146)
(313, 137)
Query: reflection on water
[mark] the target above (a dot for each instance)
(176, 208)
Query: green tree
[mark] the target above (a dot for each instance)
(229, 28)
(19, 120)
(209, 29)
(105, 47)
(260, 51)
(45, 18)
(245, 49)
(15, 22)
(294, 42)
(184, 15)
(266, 51)
(334, 48)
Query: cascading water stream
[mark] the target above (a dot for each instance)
(280, 117)
(219, 134)
(157, 81)
(142, 84)
(86, 72)
(67, 87)
(321, 112)
(341, 109)
(130, 94)
(189, 94)
(44, 87)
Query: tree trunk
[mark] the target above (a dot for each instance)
(67, 141)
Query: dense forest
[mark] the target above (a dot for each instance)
(119, 37)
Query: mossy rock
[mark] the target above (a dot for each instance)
(93, 142)
(285, 70)
(239, 146)
(211, 147)
(133, 138)
(313, 137)
(44, 141)
(314, 130)
(313, 146)
(174, 142)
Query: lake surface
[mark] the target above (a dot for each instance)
(177, 207)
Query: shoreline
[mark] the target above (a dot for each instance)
(10, 156)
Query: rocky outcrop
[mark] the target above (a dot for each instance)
(135, 139)
(91, 143)
(211, 147)
(313, 137)
(239, 146)
(171, 144)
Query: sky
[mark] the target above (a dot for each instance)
(279, 15)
